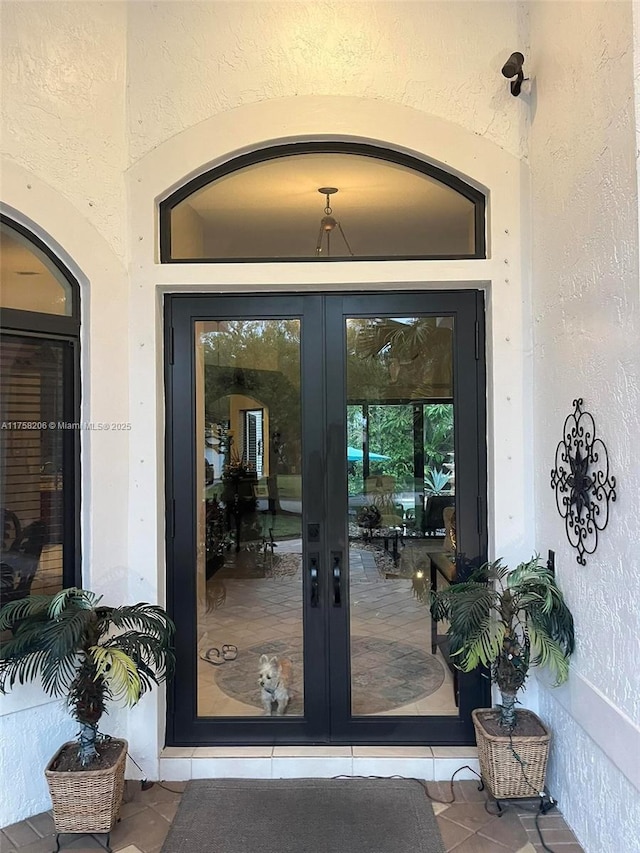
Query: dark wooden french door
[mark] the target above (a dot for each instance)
(325, 468)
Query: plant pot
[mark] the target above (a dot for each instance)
(502, 773)
(86, 801)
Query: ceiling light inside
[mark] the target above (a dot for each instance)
(328, 224)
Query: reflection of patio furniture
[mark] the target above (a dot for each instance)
(20, 556)
(238, 496)
(434, 513)
(380, 491)
(443, 564)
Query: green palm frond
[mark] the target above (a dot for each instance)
(149, 653)
(26, 640)
(489, 572)
(470, 618)
(557, 624)
(547, 652)
(523, 621)
(58, 671)
(530, 571)
(147, 618)
(65, 632)
(72, 597)
(15, 611)
(118, 671)
(90, 652)
(471, 606)
(21, 669)
(483, 648)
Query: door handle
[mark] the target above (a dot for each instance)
(313, 574)
(337, 578)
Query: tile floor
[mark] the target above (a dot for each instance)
(467, 826)
(253, 611)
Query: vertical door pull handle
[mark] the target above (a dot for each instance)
(313, 573)
(337, 577)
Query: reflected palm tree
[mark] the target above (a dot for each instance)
(416, 353)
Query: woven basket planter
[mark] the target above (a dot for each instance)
(86, 800)
(501, 771)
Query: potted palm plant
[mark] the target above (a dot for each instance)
(90, 653)
(507, 621)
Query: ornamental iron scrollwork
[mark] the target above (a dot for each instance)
(582, 482)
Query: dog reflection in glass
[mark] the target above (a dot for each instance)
(275, 681)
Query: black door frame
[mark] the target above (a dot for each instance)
(324, 462)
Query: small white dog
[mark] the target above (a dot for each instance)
(275, 681)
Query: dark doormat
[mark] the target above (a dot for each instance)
(304, 816)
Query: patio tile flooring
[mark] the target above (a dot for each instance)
(467, 826)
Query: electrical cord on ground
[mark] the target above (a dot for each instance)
(145, 785)
(543, 808)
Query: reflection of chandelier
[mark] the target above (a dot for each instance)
(328, 223)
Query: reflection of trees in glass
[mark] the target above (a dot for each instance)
(258, 359)
(394, 366)
(438, 433)
(410, 358)
(391, 433)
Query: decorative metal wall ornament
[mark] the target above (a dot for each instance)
(582, 482)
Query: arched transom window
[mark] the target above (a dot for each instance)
(323, 201)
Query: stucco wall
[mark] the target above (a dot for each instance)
(209, 58)
(586, 333)
(29, 726)
(63, 103)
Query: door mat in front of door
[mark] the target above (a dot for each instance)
(304, 816)
(385, 674)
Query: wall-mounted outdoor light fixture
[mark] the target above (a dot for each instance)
(582, 482)
(513, 69)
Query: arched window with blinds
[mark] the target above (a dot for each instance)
(39, 414)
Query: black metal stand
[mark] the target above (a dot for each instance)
(545, 805)
(105, 843)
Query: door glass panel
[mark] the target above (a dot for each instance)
(249, 510)
(401, 508)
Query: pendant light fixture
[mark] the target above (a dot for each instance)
(328, 223)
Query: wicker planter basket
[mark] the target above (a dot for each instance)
(86, 800)
(501, 772)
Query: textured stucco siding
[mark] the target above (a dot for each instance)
(89, 87)
(63, 103)
(597, 800)
(208, 58)
(36, 732)
(586, 344)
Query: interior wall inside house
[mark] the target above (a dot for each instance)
(586, 331)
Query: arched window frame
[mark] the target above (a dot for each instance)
(325, 147)
(55, 327)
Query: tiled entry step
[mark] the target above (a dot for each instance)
(299, 762)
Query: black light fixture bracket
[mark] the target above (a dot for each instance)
(513, 69)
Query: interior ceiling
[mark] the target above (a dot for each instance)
(18, 257)
(28, 279)
(284, 192)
